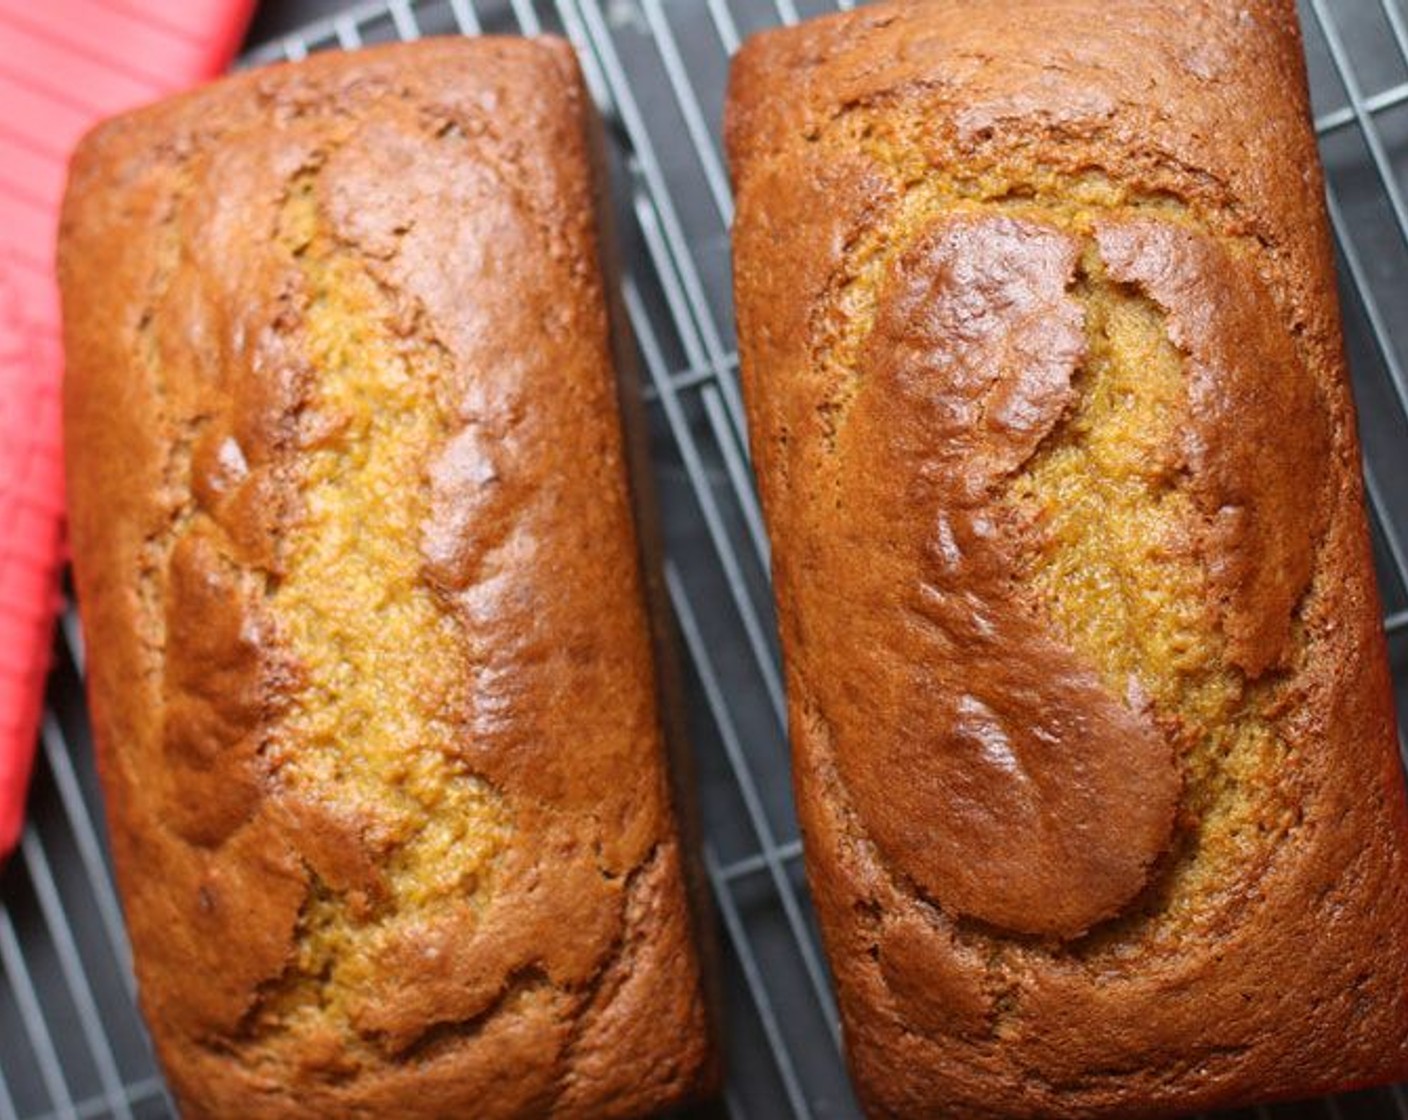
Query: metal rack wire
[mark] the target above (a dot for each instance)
(71, 1044)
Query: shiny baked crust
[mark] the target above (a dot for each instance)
(370, 661)
(1092, 725)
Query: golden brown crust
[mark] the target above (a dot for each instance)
(362, 295)
(1046, 391)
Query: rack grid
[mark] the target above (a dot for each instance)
(71, 1042)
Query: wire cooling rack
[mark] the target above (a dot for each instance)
(71, 1043)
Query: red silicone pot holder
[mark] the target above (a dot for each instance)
(64, 65)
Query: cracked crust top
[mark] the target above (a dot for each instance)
(370, 664)
(1091, 716)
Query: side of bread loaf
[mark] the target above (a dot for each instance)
(1091, 715)
(370, 659)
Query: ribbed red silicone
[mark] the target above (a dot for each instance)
(64, 65)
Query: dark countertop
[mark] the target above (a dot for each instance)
(277, 17)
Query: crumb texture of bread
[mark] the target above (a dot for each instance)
(1091, 717)
(371, 671)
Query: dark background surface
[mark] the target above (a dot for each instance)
(281, 16)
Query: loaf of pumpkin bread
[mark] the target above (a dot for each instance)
(371, 666)
(1090, 709)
